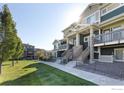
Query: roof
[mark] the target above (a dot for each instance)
(55, 41)
(69, 26)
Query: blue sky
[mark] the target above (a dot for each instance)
(41, 24)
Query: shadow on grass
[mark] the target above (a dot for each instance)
(6, 64)
(46, 75)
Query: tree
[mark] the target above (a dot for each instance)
(10, 42)
(41, 54)
(48, 55)
(19, 50)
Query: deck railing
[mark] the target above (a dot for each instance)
(109, 37)
(64, 46)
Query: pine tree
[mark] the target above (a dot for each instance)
(19, 50)
(10, 42)
(0, 42)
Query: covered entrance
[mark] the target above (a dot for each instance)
(59, 53)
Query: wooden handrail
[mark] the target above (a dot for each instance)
(84, 55)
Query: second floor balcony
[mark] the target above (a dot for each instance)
(64, 46)
(61, 47)
(114, 37)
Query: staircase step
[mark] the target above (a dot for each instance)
(71, 64)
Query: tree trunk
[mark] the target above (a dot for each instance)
(13, 63)
(0, 67)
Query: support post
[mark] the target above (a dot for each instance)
(91, 45)
(67, 40)
(56, 54)
(99, 50)
(77, 39)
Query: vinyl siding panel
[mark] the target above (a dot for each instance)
(112, 14)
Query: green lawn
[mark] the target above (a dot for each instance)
(33, 73)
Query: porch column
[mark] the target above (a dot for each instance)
(99, 51)
(99, 48)
(77, 39)
(67, 40)
(56, 54)
(91, 45)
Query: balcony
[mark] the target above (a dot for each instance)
(113, 13)
(114, 37)
(62, 47)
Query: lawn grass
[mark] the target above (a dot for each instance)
(33, 73)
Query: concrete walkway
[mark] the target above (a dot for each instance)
(95, 78)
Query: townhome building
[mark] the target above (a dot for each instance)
(97, 36)
(60, 46)
(29, 52)
(109, 41)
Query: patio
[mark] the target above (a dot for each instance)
(92, 77)
(113, 70)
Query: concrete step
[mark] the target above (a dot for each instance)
(58, 61)
(71, 64)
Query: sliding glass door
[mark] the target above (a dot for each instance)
(119, 54)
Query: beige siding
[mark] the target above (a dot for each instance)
(110, 6)
(88, 12)
(120, 23)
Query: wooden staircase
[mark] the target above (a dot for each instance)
(72, 54)
(67, 56)
(77, 50)
(82, 58)
(76, 54)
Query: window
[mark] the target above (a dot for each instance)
(88, 20)
(119, 54)
(86, 39)
(96, 49)
(103, 11)
(116, 28)
(92, 19)
(55, 47)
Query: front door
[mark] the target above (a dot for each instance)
(119, 54)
